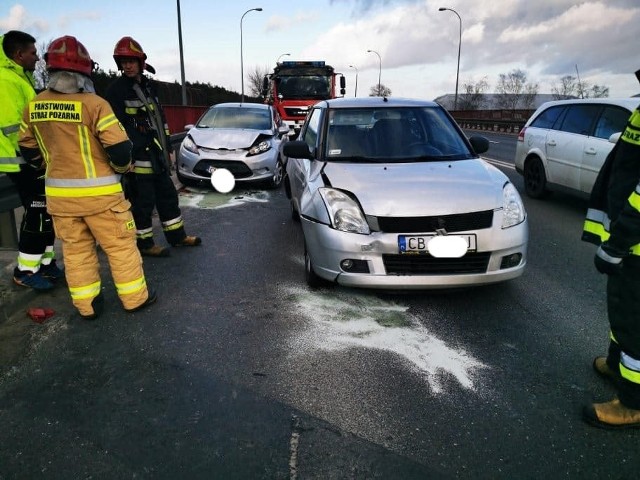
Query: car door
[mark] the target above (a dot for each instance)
(612, 119)
(299, 168)
(564, 147)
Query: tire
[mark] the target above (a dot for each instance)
(295, 216)
(535, 179)
(312, 279)
(278, 175)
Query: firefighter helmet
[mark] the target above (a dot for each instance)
(127, 47)
(67, 53)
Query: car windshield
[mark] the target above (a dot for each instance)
(397, 134)
(236, 117)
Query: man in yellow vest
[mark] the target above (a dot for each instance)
(85, 149)
(36, 267)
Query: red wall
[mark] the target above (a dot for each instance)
(179, 115)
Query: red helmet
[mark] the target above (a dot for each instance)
(127, 47)
(67, 53)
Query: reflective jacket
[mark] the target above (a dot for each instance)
(143, 120)
(72, 132)
(614, 207)
(17, 87)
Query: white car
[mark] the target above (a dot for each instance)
(392, 195)
(244, 138)
(564, 144)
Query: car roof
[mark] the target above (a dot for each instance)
(630, 102)
(376, 102)
(256, 106)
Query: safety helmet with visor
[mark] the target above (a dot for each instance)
(67, 53)
(127, 47)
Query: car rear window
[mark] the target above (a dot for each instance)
(612, 120)
(548, 117)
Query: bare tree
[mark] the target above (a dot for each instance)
(41, 75)
(515, 90)
(255, 78)
(598, 91)
(473, 96)
(383, 91)
(566, 89)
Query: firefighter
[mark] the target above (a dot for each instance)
(613, 223)
(134, 101)
(36, 267)
(85, 148)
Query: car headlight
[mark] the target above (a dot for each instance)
(262, 147)
(344, 212)
(190, 145)
(512, 207)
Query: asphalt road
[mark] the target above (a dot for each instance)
(241, 371)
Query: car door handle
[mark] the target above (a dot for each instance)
(551, 143)
(591, 151)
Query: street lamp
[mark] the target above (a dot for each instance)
(355, 94)
(442, 9)
(379, 70)
(241, 61)
(283, 55)
(184, 85)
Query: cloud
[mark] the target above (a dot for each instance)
(19, 19)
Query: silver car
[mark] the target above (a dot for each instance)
(244, 138)
(391, 194)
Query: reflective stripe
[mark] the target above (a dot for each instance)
(8, 130)
(143, 170)
(131, 287)
(634, 200)
(144, 233)
(41, 145)
(597, 229)
(77, 192)
(629, 368)
(599, 224)
(82, 182)
(106, 122)
(155, 140)
(29, 261)
(11, 160)
(168, 223)
(143, 163)
(87, 291)
(632, 133)
(612, 337)
(133, 103)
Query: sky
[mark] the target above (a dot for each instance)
(417, 44)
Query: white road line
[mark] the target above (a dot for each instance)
(500, 163)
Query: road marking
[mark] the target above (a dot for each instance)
(499, 163)
(346, 319)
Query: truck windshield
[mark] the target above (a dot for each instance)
(315, 87)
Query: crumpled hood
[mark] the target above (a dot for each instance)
(418, 189)
(230, 138)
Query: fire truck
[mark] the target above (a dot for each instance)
(294, 86)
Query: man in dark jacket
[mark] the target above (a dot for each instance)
(613, 223)
(134, 101)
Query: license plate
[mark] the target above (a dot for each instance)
(417, 244)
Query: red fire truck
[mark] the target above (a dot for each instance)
(296, 85)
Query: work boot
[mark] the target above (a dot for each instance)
(32, 280)
(152, 297)
(603, 369)
(189, 241)
(51, 272)
(611, 415)
(98, 306)
(155, 251)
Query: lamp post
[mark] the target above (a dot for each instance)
(283, 55)
(379, 69)
(241, 61)
(442, 9)
(184, 85)
(355, 94)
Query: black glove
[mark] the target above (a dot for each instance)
(608, 260)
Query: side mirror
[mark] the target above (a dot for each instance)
(297, 149)
(283, 129)
(615, 137)
(479, 143)
(343, 83)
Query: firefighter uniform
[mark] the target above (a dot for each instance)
(613, 223)
(35, 247)
(84, 148)
(134, 101)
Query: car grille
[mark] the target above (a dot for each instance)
(472, 262)
(238, 169)
(451, 223)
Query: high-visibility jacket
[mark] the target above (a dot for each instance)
(17, 87)
(80, 178)
(614, 207)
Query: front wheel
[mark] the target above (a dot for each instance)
(278, 174)
(313, 280)
(535, 179)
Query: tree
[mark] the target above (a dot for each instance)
(515, 91)
(473, 96)
(255, 78)
(384, 91)
(566, 89)
(40, 74)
